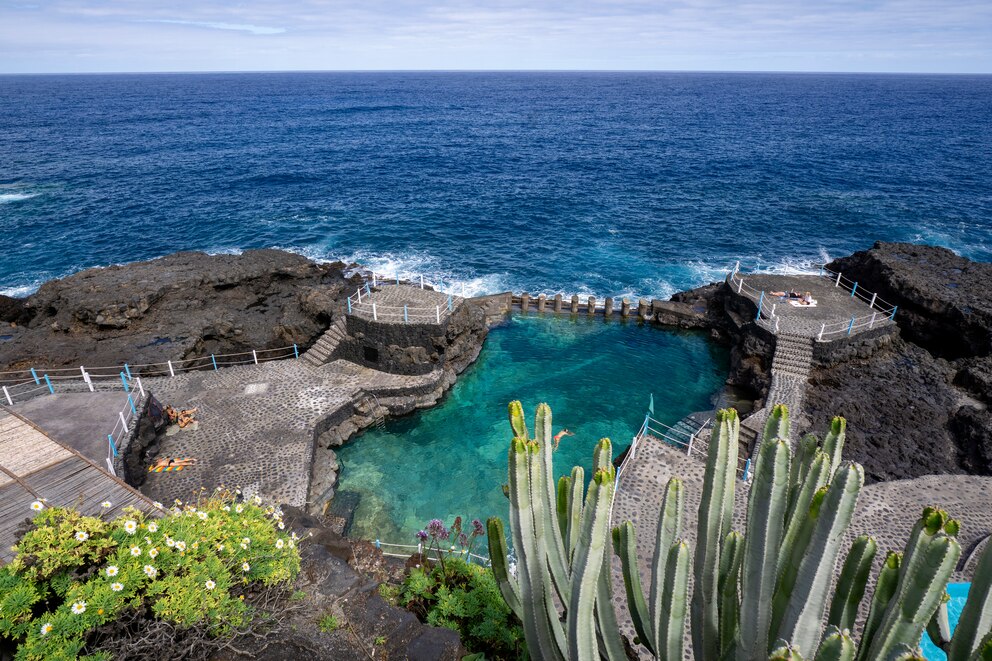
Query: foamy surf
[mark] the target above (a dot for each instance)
(6, 198)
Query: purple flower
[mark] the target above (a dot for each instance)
(437, 530)
(422, 535)
(463, 539)
(477, 528)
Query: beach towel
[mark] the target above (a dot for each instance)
(165, 469)
(797, 304)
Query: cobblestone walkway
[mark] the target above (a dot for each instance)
(256, 423)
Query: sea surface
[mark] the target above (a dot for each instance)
(604, 183)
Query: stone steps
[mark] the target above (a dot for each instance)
(322, 352)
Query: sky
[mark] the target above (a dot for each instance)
(925, 36)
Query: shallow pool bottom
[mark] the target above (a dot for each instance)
(597, 376)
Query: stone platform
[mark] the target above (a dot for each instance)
(256, 424)
(423, 306)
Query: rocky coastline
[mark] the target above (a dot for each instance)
(916, 404)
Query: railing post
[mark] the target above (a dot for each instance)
(214, 361)
(737, 266)
(349, 305)
(873, 297)
(172, 372)
(127, 370)
(740, 285)
(747, 468)
(378, 545)
(123, 420)
(773, 310)
(296, 351)
(837, 284)
(124, 381)
(359, 294)
(437, 309)
(113, 446)
(254, 355)
(406, 317)
(368, 292)
(761, 301)
(850, 326)
(82, 370)
(37, 381)
(893, 315)
(373, 279)
(449, 302)
(819, 338)
(6, 393)
(421, 280)
(375, 316)
(688, 448)
(88, 381)
(821, 270)
(141, 388)
(130, 401)
(776, 324)
(854, 289)
(872, 323)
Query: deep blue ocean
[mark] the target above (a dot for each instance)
(606, 183)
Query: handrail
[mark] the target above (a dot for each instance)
(408, 314)
(172, 367)
(420, 551)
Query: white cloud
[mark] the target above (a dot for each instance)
(253, 29)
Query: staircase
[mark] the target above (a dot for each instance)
(322, 352)
(791, 364)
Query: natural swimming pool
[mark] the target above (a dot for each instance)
(597, 376)
(958, 592)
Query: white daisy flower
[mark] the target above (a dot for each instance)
(210, 585)
(245, 566)
(220, 547)
(130, 527)
(246, 540)
(257, 500)
(181, 546)
(136, 551)
(158, 505)
(169, 542)
(279, 543)
(79, 608)
(116, 587)
(106, 504)
(46, 628)
(82, 536)
(226, 508)
(150, 571)
(37, 506)
(239, 508)
(282, 526)
(152, 553)
(292, 544)
(203, 516)
(112, 571)
(152, 527)
(244, 546)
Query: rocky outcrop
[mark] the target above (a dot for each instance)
(945, 301)
(184, 305)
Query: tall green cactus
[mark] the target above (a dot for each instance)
(763, 594)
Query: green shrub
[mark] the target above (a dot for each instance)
(328, 623)
(74, 574)
(466, 598)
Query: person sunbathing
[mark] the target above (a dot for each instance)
(807, 299)
(185, 418)
(169, 462)
(789, 294)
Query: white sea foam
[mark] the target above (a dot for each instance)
(224, 251)
(15, 197)
(22, 290)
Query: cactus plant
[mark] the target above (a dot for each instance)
(761, 594)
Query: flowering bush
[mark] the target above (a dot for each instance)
(74, 574)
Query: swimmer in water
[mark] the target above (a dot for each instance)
(560, 435)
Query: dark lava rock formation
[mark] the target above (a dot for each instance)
(922, 405)
(181, 306)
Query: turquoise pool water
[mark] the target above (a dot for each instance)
(597, 376)
(958, 592)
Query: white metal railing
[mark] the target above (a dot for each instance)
(766, 308)
(872, 299)
(419, 548)
(30, 380)
(126, 420)
(361, 303)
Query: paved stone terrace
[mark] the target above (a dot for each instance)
(423, 305)
(885, 510)
(256, 424)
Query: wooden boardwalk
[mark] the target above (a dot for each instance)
(33, 467)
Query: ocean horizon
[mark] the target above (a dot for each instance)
(608, 183)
